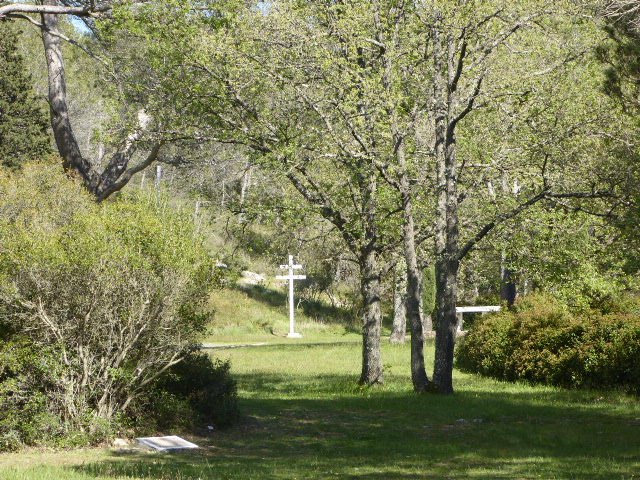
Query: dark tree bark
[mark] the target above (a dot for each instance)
(372, 319)
(446, 215)
(60, 121)
(414, 278)
(403, 185)
(365, 246)
(370, 282)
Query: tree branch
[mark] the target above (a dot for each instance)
(88, 11)
(468, 107)
(126, 176)
(317, 198)
(545, 194)
(484, 231)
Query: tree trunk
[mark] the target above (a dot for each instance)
(471, 292)
(446, 217)
(428, 297)
(508, 288)
(399, 332)
(446, 321)
(372, 319)
(244, 190)
(427, 324)
(246, 182)
(370, 281)
(117, 172)
(60, 122)
(414, 287)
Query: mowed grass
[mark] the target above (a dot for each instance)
(304, 417)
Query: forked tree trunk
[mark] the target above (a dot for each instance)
(117, 172)
(60, 122)
(365, 246)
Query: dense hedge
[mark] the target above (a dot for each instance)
(542, 342)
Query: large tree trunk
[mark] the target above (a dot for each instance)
(399, 330)
(372, 319)
(413, 304)
(60, 123)
(370, 274)
(446, 324)
(446, 219)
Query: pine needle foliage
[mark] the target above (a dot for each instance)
(23, 121)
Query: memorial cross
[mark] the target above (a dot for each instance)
(291, 277)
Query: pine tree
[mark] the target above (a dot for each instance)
(23, 121)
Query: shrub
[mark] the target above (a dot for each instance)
(26, 374)
(202, 389)
(540, 341)
(114, 292)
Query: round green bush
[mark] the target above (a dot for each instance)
(542, 342)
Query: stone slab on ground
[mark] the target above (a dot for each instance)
(166, 444)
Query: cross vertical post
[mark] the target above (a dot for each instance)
(291, 277)
(292, 322)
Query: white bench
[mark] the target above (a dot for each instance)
(460, 311)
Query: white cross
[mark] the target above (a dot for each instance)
(291, 277)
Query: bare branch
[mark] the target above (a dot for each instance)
(626, 11)
(60, 36)
(316, 197)
(468, 104)
(84, 11)
(501, 218)
(484, 231)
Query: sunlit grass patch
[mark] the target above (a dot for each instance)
(305, 417)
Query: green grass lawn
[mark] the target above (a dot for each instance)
(303, 417)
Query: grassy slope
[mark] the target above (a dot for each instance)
(304, 417)
(254, 314)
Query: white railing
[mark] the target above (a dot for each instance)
(460, 311)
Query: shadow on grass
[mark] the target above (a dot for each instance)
(329, 430)
(315, 309)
